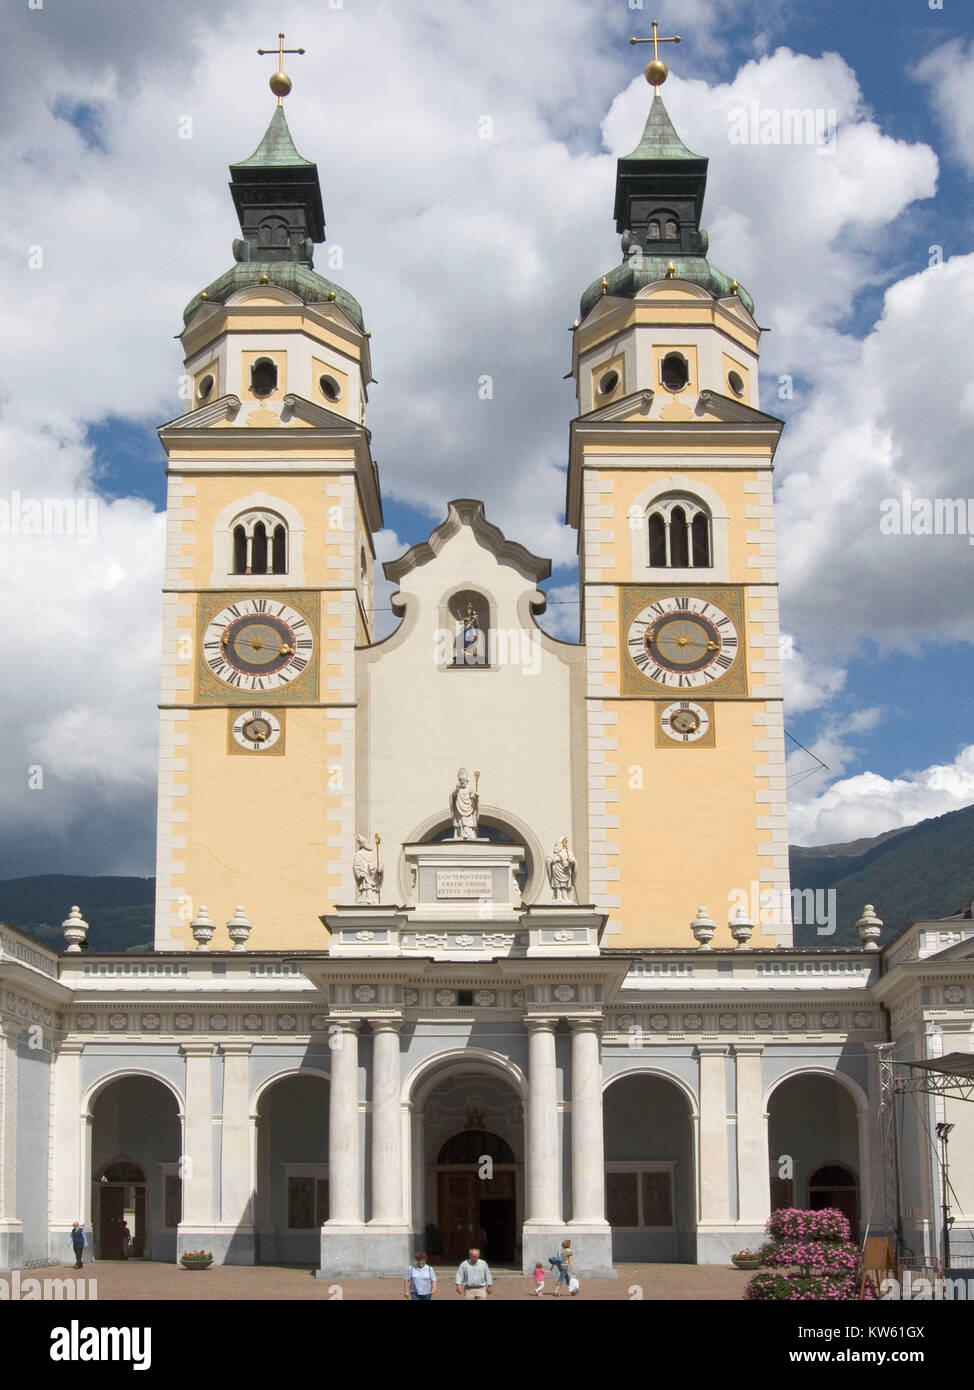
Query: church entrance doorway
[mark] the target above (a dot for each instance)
(121, 1211)
(476, 1202)
(469, 1165)
(292, 1170)
(812, 1120)
(650, 1198)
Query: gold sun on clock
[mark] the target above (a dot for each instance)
(255, 646)
(686, 641)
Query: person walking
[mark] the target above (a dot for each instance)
(420, 1279)
(538, 1277)
(78, 1242)
(566, 1268)
(473, 1277)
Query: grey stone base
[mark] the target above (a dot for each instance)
(715, 1247)
(230, 1245)
(356, 1252)
(591, 1249)
(12, 1246)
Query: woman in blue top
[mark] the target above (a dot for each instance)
(420, 1279)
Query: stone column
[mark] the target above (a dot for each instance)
(344, 1176)
(588, 1164)
(753, 1160)
(713, 1168)
(70, 1159)
(542, 1187)
(236, 1176)
(11, 1229)
(386, 1124)
(196, 1160)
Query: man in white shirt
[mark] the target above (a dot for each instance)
(473, 1277)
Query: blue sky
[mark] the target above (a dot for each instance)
(446, 241)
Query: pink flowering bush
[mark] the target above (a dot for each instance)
(815, 1247)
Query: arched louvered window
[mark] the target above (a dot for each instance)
(672, 230)
(654, 230)
(679, 533)
(259, 544)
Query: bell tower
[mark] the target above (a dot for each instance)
(670, 489)
(273, 497)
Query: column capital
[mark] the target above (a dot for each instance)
(197, 1049)
(748, 1049)
(542, 1023)
(70, 1049)
(712, 1049)
(347, 1023)
(386, 1023)
(236, 1049)
(586, 1023)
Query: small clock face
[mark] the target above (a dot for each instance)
(257, 644)
(257, 730)
(684, 642)
(685, 722)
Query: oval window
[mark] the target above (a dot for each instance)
(329, 388)
(205, 388)
(608, 383)
(263, 377)
(674, 372)
(736, 383)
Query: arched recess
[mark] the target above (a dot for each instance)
(650, 1179)
(494, 822)
(134, 1118)
(816, 1119)
(290, 1115)
(467, 1108)
(223, 576)
(451, 611)
(678, 486)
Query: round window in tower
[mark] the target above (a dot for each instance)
(263, 377)
(608, 383)
(329, 388)
(736, 383)
(674, 372)
(205, 388)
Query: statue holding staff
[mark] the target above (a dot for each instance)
(367, 869)
(465, 806)
(562, 867)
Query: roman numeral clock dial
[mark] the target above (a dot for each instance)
(255, 645)
(683, 642)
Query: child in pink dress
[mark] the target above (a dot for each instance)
(539, 1279)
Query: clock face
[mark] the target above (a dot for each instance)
(257, 644)
(684, 721)
(257, 730)
(684, 642)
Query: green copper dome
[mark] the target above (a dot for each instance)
(307, 284)
(626, 281)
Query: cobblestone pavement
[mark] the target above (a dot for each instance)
(138, 1279)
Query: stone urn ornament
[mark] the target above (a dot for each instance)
(202, 928)
(869, 926)
(703, 927)
(239, 929)
(75, 929)
(741, 927)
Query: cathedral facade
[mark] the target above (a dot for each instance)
(469, 935)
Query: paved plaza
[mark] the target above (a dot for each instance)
(138, 1279)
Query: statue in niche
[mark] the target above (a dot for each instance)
(367, 869)
(562, 867)
(471, 639)
(465, 806)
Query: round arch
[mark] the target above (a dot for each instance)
(95, 1089)
(501, 819)
(283, 1075)
(657, 1073)
(858, 1095)
(418, 1083)
(222, 575)
(719, 527)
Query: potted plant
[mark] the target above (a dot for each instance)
(747, 1259)
(196, 1259)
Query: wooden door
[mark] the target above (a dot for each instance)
(111, 1223)
(458, 1208)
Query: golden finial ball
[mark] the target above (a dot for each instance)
(656, 72)
(265, 279)
(280, 84)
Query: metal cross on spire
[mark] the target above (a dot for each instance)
(656, 70)
(280, 83)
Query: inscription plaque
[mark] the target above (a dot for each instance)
(463, 883)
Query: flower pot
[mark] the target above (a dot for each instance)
(746, 1264)
(194, 1264)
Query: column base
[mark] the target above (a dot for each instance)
(12, 1244)
(364, 1252)
(716, 1242)
(231, 1245)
